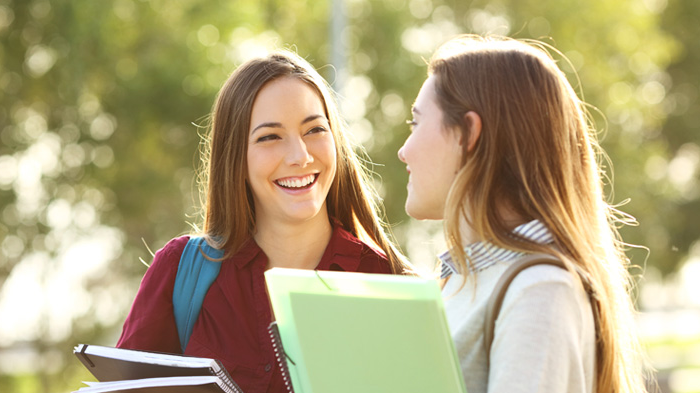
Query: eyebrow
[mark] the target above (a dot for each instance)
(279, 125)
(415, 110)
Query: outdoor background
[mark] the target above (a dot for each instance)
(102, 102)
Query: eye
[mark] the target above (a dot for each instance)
(411, 123)
(267, 137)
(317, 130)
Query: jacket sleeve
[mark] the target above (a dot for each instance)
(150, 325)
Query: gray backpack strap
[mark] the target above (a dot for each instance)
(499, 292)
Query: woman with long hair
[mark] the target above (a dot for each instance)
(503, 150)
(283, 187)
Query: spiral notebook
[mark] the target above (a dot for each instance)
(353, 332)
(126, 370)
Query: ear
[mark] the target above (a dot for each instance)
(473, 122)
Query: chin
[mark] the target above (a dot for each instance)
(421, 214)
(304, 214)
(415, 213)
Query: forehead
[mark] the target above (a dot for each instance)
(425, 101)
(286, 96)
(279, 88)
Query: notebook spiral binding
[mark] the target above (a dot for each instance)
(280, 355)
(229, 385)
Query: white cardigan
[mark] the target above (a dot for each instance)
(544, 339)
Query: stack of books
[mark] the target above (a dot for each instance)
(125, 370)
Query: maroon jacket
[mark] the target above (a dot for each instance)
(235, 314)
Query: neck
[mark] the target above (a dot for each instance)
(508, 216)
(298, 245)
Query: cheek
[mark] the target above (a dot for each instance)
(324, 150)
(261, 163)
(421, 155)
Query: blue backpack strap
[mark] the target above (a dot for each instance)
(195, 274)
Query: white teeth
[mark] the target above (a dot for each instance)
(296, 183)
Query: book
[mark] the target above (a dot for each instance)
(355, 332)
(126, 370)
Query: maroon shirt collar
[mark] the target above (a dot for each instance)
(342, 253)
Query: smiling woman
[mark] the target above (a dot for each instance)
(291, 158)
(283, 187)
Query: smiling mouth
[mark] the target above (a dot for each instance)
(297, 183)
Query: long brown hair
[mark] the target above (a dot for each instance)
(228, 210)
(537, 156)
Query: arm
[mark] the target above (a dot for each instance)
(544, 338)
(150, 325)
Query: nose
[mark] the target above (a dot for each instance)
(298, 153)
(401, 154)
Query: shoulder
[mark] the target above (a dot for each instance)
(371, 259)
(547, 289)
(343, 236)
(545, 328)
(161, 273)
(544, 275)
(174, 246)
(168, 257)
(373, 253)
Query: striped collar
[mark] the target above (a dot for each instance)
(484, 254)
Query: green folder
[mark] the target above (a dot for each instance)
(354, 332)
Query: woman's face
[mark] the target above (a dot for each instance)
(432, 156)
(291, 152)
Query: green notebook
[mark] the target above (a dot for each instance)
(353, 332)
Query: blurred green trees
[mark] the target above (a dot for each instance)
(102, 103)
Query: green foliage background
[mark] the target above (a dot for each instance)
(100, 102)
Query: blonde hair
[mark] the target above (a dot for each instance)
(537, 156)
(228, 209)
